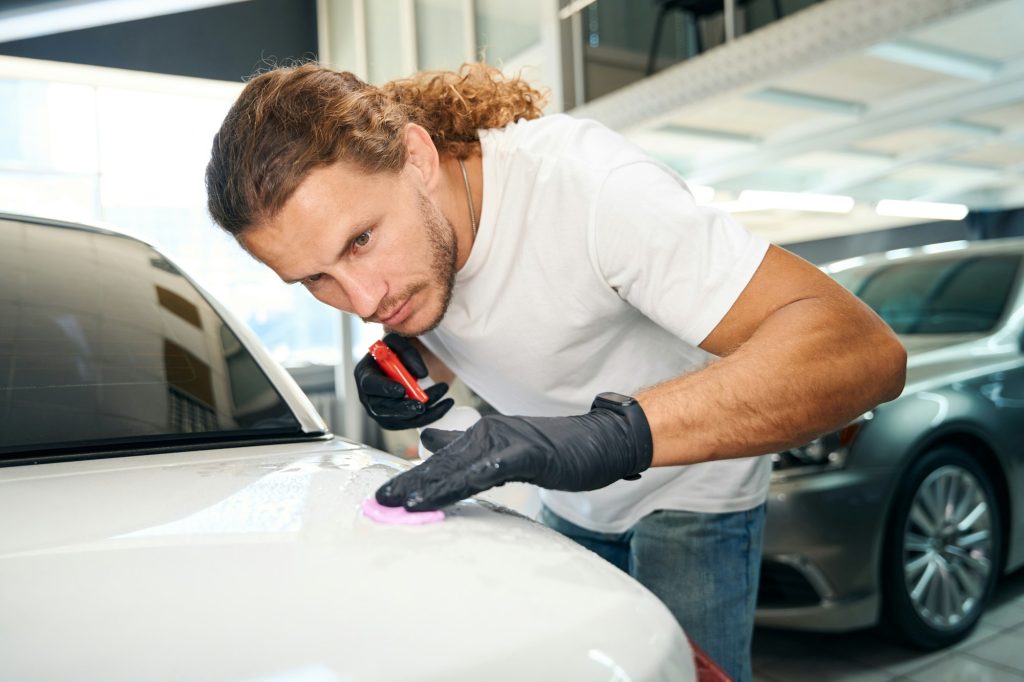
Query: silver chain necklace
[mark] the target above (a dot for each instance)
(469, 198)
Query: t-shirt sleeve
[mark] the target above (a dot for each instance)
(680, 264)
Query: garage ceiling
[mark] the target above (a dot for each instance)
(915, 100)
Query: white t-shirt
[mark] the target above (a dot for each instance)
(594, 270)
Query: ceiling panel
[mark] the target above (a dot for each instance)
(992, 32)
(848, 161)
(1009, 117)
(912, 140)
(824, 172)
(685, 150)
(931, 182)
(862, 78)
(999, 154)
(912, 99)
(745, 116)
(942, 173)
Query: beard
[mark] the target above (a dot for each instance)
(443, 256)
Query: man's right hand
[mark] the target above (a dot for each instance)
(385, 400)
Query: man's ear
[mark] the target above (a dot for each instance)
(421, 156)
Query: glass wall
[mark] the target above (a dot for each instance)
(385, 46)
(506, 29)
(130, 150)
(48, 148)
(134, 158)
(623, 40)
(380, 40)
(440, 39)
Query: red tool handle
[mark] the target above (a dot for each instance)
(394, 368)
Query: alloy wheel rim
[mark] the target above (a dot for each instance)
(947, 547)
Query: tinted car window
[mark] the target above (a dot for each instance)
(937, 296)
(103, 342)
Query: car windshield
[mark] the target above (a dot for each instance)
(941, 295)
(105, 345)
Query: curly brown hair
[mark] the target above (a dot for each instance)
(291, 120)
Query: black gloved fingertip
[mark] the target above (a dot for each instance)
(437, 439)
(416, 503)
(385, 496)
(437, 391)
(442, 407)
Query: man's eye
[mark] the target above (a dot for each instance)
(363, 239)
(313, 278)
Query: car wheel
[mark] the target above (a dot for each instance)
(943, 549)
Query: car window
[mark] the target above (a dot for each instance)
(949, 295)
(103, 342)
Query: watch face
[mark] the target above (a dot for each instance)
(618, 398)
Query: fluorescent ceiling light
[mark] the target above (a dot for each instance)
(71, 15)
(921, 209)
(937, 59)
(757, 200)
(945, 246)
(846, 264)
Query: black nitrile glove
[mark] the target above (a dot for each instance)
(384, 399)
(583, 452)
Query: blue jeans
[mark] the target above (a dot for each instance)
(704, 567)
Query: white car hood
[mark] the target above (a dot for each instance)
(256, 564)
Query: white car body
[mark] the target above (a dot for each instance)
(255, 563)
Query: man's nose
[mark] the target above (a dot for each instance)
(363, 293)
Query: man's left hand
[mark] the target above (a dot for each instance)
(576, 453)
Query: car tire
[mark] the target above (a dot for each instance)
(943, 550)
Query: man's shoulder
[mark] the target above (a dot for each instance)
(563, 128)
(587, 141)
(547, 123)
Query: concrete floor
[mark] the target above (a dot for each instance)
(993, 653)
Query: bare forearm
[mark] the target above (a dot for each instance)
(811, 367)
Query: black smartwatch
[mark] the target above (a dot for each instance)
(630, 409)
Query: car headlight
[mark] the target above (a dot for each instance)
(821, 454)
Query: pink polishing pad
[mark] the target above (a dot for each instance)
(398, 515)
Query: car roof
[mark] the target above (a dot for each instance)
(69, 225)
(930, 251)
(310, 421)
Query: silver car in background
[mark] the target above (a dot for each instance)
(908, 516)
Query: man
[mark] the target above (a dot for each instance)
(547, 262)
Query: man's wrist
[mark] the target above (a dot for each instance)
(636, 421)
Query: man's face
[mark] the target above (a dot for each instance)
(372, 245)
